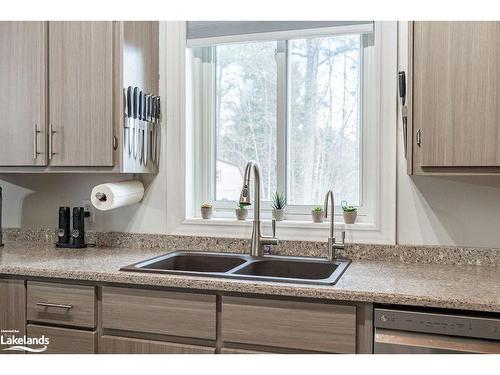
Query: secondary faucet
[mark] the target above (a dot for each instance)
(257, 241)
(332, 245)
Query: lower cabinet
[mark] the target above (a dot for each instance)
(307, 326)
(128, 345)
(65, 340)
(12, 310)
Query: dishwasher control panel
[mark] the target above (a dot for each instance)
(438, 323)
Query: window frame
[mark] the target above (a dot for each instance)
(205, 128)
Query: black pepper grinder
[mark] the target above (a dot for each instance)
(78, 232)
(63, 232)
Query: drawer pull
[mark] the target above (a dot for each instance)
(58, 305)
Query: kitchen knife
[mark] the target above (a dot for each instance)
(146, 127)
(404, 108)
(134, 130)
(139, 133)
(153, 125)
(129, 115)
(158, 130)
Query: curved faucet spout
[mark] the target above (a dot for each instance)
(257, 241)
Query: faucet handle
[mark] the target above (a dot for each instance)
(343, 236)
(273, 226)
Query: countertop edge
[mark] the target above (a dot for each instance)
(255, 288)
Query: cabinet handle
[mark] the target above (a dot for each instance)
(35, 142)
(51, 133)
(58, 305)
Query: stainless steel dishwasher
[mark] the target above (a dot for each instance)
(422, 332)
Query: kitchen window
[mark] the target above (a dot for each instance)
(303, 107)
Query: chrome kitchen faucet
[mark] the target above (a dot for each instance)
(258, 241)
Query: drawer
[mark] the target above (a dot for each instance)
(65, 304)
(65, 340)
(161, 312)
(308, 326)
(128, 345)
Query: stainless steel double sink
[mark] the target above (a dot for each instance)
(240, 266)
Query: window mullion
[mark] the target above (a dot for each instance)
(281, 114)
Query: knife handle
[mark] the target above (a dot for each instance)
(402, 87)
(136, 93)
(144, 107)
(129, 102)
(158, 110)
(139, 111)
(153, 109)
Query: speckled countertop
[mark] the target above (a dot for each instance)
(437, 285)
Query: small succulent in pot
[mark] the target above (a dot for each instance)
(317, 214)
(350, 213)
(241, 212)
(206, 211)
(279, 203)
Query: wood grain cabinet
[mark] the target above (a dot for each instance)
(128, 345)
(61, 97)
(454, 97)
(81, 93)
(321, 327)
(12, 309)
(65, 340)
(23, 135)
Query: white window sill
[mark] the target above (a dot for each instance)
(286, 230)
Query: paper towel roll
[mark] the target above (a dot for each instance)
(112, 195)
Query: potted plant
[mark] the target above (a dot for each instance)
(317, 214)
(241, 212)
(279, 203)
(350, 213)
(206, 211)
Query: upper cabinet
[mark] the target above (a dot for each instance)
(61, 99)
(81, 93)
(23, 75)
(454, 97)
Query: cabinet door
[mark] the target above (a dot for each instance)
(23, 64)
(456, 93)
(12, 310)
(128, 345)
(65, 340)
(81, 93)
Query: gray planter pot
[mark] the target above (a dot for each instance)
(241, 213)
(207, 212)
(350, 217)
(317, 216)
(278, 215)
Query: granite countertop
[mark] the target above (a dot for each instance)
(436, 285)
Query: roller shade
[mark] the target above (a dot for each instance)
(206, 33)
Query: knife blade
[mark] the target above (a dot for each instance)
(134, 130)
(129, 115)
(139, 134)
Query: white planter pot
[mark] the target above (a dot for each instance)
(317, 216)
(350, 217)
(278, 215)
(206, 212)
(241, 213)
